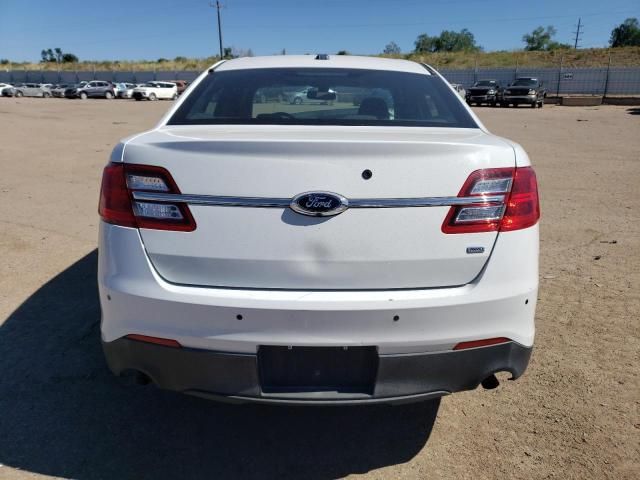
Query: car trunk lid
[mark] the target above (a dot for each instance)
(278, 248)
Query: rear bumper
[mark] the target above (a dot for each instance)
(236, 377)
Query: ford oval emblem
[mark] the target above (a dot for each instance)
(319, 204)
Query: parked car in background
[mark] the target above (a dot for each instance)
(484, 92)
(156, 91)
(31, 90)
(459, 89)
(9, 88)
(320, 285)
(58, 90)
(125, 90)
(93, 89)
(181, 84)
(307, 95)
(525, 90)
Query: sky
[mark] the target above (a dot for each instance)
(152, 29)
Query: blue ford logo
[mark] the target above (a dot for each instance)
(319, 204)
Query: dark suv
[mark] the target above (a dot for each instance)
(525, 90)
(94, 89)
(485, 91)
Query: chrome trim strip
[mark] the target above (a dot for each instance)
(213, 200)
(222, 201)
(423, 202)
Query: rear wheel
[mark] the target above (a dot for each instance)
(83, 95)
(504, 105)
(297, 101)
(174, 97)
(108, 95)
(46, 95)
(152, 97)
(18, 94)
(494, 104)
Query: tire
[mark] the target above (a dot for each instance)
(137, 99)
(108, 95)
(494, 104)
(18, 94)
(45, 95)
(152, 97)
(541, 103)
(504, 105)
(297, 101)
(83, 95)
(534, 104)
(175, 96)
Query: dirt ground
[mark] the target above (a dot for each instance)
(575, 414)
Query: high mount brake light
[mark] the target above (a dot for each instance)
(118, 207)
(519, 209)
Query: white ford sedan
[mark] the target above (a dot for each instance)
(378, 245)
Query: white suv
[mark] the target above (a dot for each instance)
(156, 91)
(383, 250)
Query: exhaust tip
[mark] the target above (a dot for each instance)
(490, 382)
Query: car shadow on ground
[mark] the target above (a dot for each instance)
(64, 414)
(633, 111)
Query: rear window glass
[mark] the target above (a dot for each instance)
(319, 96)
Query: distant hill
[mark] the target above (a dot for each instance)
(592, 57)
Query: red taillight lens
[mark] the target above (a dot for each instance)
(481, 343)
(115, 199)
(117, 205)
(523, 207)
(517, 209)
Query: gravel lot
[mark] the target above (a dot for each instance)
(575, 414)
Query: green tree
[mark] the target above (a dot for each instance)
(69, 58)
(425, 44)
(391, 48)
(58, 54)
(447, 41)
(626, 34)
(342, 52)
(542, 39)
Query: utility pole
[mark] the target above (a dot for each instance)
(217, 5)
(577, 32)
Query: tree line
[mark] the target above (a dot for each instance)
(540, 39)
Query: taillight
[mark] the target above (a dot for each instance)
(117, 205)
(500, 199)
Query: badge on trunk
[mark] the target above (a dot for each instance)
(319, 204)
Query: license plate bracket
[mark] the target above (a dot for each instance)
(317, 369)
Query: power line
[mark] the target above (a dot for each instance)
(578, 33)
(217, 5)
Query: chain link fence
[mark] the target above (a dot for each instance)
(559, 81)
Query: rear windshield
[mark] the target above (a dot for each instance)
(319, 96)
